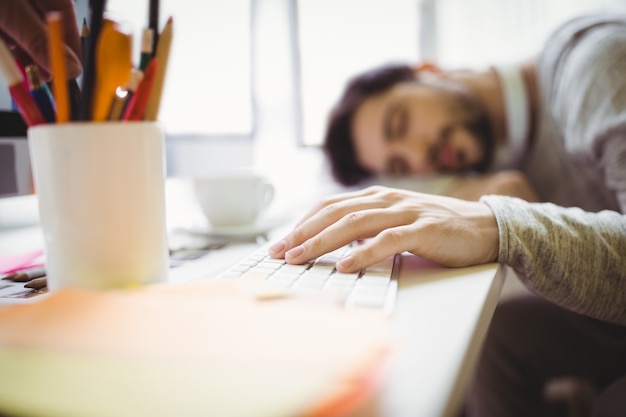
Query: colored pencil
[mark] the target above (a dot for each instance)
(124, 95)
(162, 54)
(139, 101)
(13, 79)
(84, 42)
(57, 61)
(39, 93)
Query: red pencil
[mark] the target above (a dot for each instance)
(26, 104)
(139, 101)
(13, 78)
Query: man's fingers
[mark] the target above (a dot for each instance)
(26, 30)
(354, 226)
(334, 236)
(387, 243)
(338, 198)
(71, 32)
(323, 216)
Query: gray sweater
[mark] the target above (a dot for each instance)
(575, 257)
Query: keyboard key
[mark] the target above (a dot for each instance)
(296, 268)
(375, 280)
(313, 279)
(374, 288)
(286, 275)
(319, 271)
(309, 285)
(369, 300)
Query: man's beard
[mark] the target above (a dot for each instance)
(476, 123)
(482, 136)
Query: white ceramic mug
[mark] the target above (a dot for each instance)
(233, 199)
(101, 192)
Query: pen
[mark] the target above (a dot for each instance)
(57, 61)
(13, 78)
(162, 54)
(39, 93)
(139, 101)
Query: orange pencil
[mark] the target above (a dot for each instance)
(57, 62)
(139, 101)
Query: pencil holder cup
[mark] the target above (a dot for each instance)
(101, 192)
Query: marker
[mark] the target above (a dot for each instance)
(13, 78)
(39, 93)
(147, 37)
(153, 23)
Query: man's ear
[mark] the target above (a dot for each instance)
(428, 71)
(427, 66)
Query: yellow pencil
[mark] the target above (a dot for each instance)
(162, 54)
(57, 63)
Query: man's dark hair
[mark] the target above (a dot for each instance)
(338, 143)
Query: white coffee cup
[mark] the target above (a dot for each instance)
(234, 198)
(101, 193)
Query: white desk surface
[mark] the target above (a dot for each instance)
(438, 327)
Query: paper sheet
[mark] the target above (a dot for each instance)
(208, 348)
(13, 263)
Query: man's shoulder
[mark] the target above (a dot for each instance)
(580, 73)
(573, 28)
(596, 34)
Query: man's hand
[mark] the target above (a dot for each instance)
(446, 230)
(23, 28)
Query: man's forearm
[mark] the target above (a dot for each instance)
(571, 257)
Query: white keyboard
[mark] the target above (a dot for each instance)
(374, 288)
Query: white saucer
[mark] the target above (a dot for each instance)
(260, 228)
